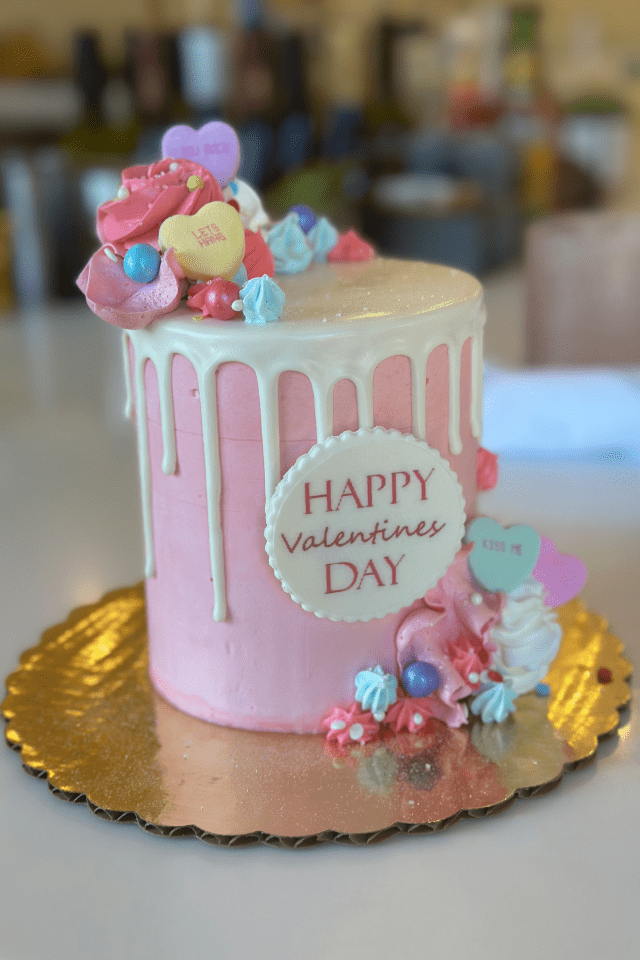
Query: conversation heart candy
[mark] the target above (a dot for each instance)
(562, 574)
(207, 244)
(215, 147)
(502, 558)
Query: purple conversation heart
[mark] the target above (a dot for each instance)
(561, 574)
(215, 147)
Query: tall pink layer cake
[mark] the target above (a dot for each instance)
(384, 343)
(309, 419)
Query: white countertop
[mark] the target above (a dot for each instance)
(552, 877)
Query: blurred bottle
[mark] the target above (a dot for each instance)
(531, 115)
(30, 266)
(383, 111)
(205, 72)
(6, 287)
(254, 111)
(295, 138)
(152, 71)
(106, 125)
(474, 53)
(90, 78)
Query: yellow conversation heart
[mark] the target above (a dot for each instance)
(210, 243)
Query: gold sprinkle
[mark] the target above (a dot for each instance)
(194, 183)
(200, 317)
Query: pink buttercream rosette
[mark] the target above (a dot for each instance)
(350, 248)
(470, 655)
(487, 469)
(432, 633)
(114, 297)
(155, 193)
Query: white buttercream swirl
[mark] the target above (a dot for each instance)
(252, 213)
(527, 637)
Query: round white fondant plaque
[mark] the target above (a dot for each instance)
(364, 524)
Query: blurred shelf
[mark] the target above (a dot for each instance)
(29, 106)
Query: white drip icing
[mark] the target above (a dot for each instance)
(143, 463)
(364, 395)
(455, 362)
(271, 349)
(128, 392)
(323, 402)
(419, 397)
(209, 408)
(476, 384)
(167, 421)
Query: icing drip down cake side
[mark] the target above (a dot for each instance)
(309, 422)
(229, 409)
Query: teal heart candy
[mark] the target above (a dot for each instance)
(502, 558)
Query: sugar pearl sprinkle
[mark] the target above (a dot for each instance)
(123, 193)
(356, 730)
(476, 599)
(418, 719)
(237, 305)
(338, 724)
(174, 166)
(379, 716)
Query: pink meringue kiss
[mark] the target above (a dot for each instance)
(350, 248)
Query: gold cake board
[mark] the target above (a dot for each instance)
(83, 714)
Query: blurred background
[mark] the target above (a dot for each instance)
(500, 139)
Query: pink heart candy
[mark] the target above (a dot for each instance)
(561, 574)
(215, 147)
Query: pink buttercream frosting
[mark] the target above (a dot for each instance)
(451, 600)
(454, 607)
(258, 258)
(156, 192)
(470, 654)
(207, 668)
(114, 297)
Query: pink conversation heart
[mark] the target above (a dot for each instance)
(562, 575)
(215, 147)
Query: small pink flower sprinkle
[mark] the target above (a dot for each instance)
(351, 725)
(409, 713)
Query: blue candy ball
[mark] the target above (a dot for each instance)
(543, 689)
(142, 263)
(420, 679)
(306, 216)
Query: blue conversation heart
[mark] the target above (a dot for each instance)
(502, 558)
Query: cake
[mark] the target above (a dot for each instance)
(309, 421)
